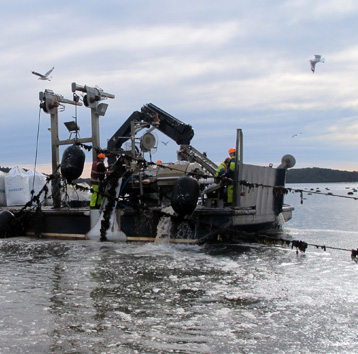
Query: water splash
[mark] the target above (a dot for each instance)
(280, 220)
(163, 230)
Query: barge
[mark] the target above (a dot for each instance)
(182, 202)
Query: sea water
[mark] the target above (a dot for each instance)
(92, 297)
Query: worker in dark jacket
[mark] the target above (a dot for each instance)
(220, 172)
(98, 173)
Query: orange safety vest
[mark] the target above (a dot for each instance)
(97, 172)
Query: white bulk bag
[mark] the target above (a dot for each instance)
(2, 188)
(36, 182)
(78, 194)
(17, 187)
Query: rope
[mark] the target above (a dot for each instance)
(276, 189)
(299, 245)
(326, 194)
(37, 147)
(76, 136)
(302, 246)
(286, 190)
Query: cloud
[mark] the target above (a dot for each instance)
(305, 10)
(217, 66)
(345, 133)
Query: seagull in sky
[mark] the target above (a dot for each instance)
(295, 135)
(317, 59)
(44, 77)
(165, 142)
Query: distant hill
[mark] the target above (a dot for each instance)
(319, 175)
(5, 169)
(295, 175)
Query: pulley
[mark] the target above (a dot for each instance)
(147, 142)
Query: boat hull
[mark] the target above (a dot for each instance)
(204, 225)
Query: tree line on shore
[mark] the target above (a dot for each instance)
(320, 175)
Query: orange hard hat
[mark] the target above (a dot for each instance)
(159, 161)
(227, 160)
(231, 150)
(101, 156)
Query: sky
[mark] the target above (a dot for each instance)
(216, 65)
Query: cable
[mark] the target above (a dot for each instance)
(37, 147)
(302, 246)
(76, 122)
(285, 190)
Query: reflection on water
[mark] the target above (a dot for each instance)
(89, 297)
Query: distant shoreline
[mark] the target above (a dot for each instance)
(320, 175)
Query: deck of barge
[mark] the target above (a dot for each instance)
(62, 223)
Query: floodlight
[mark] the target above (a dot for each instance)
(72, 126)
(101, 109)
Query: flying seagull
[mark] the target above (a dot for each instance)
(44, 77)
(317, 59)
(295, 135)
(165, 142)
